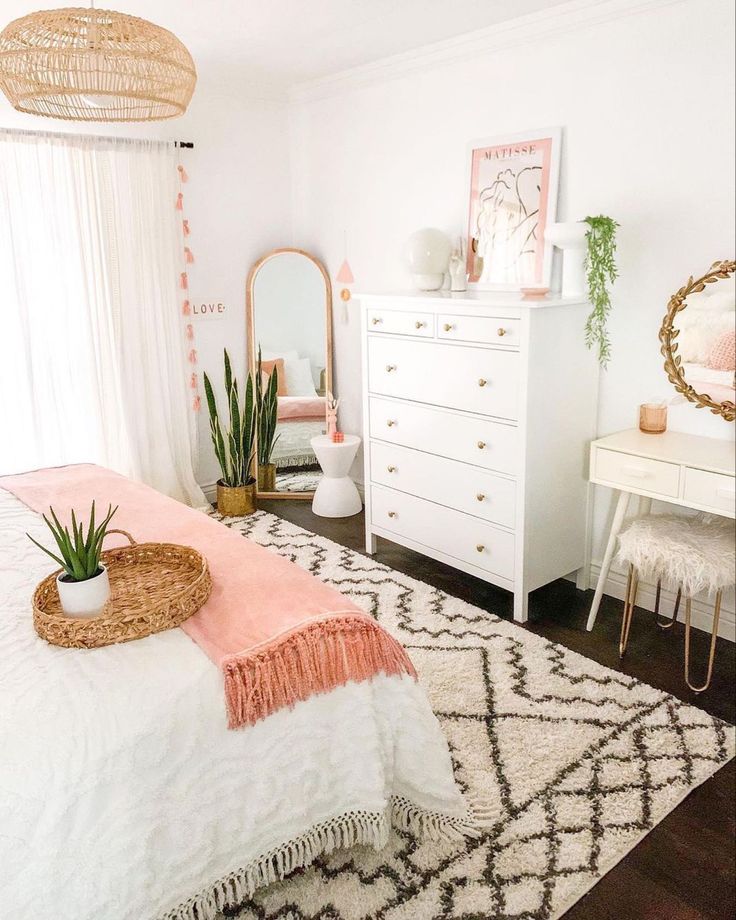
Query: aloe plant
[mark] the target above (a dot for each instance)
(80, 554)
(235, 446)
(267, 402)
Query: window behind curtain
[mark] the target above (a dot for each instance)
(92, 357)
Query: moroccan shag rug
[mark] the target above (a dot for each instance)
(578, 762)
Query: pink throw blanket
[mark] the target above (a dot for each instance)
(291, 408)
(277, 633)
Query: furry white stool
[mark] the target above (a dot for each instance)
(690, 554)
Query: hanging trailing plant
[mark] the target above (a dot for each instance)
(600, 271)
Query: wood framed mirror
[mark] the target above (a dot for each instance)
(289, 318)
(698, 342)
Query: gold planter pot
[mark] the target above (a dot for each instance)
(236, 501)
(267, 477)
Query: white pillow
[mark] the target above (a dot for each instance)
(699, 329)
(299, 380)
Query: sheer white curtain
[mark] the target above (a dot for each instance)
(92, 352)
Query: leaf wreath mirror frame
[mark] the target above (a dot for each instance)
(721, 270)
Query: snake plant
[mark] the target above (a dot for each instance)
(80, 554)
(267, 409)
(235, 446)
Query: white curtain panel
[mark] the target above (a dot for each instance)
(92, 350)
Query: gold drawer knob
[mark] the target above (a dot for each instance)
(376, 320)
(448, 327)
(501, 331)
(391, 469)
(482, 382)
(481, 497)
(391, 422)
(481, 445)
(390, 367)
(392, 514)
(480, 547)
(419, 325)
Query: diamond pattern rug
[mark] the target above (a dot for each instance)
(577, 762)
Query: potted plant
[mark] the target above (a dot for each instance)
(267, 410)
(588, 267)
(83, 585)
(235, 447)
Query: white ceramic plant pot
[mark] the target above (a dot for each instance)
(84, 598)
(570, 238)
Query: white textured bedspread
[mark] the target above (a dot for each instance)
(123, 796)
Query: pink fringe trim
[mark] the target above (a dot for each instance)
(317, 658)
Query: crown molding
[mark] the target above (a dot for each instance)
(547, 23)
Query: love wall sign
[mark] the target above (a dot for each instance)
(209, 309)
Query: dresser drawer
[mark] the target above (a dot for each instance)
(482, 380)
(445, 482)
(445, 530)
(400, 322)
(481, 442)
(488, 329)
(638, 472)
(713, 491)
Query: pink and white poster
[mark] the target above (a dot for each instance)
(513, 197)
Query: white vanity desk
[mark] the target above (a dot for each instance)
(682, 469)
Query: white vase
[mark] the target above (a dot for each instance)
(427, 254)
(84, 598)
(570, 238)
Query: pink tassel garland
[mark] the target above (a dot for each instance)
(188, 255)
(185, 227)
(186, 308)
(190, 331)
(180, 202)
(182, 173)
(193, 381)
(197, 403)
(184, 281)
(192, 356)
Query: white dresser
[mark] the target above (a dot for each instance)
(478, 410)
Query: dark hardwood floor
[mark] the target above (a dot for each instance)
(684, 868)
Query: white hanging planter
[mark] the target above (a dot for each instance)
(570, 237)
(84, 598)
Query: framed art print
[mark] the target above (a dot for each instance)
(513, 197)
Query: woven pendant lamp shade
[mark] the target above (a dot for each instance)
(94, 65)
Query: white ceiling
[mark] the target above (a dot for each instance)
(274, 44)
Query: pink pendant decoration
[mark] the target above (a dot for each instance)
(182, 173)
(185, 228)
(184, 281)
(186, 308)
(345, 275)
(188, 256)
(192, 356)
(197, 403)
(180, 202)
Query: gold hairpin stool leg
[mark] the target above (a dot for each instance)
(713, 638)
(629, 599)
(671, 623)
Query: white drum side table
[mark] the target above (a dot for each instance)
(336, 494)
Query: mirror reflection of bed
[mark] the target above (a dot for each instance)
(289, 319)
(706, 341)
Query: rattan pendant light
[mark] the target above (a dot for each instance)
(94, 65)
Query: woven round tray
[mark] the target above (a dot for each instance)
(153, 587)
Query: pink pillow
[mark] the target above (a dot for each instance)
(722, 356)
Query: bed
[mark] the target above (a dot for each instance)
(125, 796)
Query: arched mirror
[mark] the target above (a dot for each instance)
(289, 318)
(698, 337)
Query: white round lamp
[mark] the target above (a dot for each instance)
(427, 254)
(570, 237)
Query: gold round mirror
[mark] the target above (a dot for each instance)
(698, 346)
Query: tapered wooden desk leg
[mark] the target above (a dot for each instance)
(618, 519)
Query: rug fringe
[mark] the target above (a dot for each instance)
(349, 830)
(316, 658)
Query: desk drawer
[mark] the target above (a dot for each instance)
(492, 445)
(482, 380)
(446, 482)
(445, 530)
(713, 491)
(638, 473)
(400, 322)
(488, 329)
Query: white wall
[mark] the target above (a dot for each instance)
(237, 202)
(646, 102)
